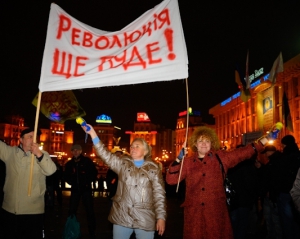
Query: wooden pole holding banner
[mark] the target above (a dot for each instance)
(187, 129)
(34, 141)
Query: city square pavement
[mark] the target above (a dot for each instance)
(56, 217)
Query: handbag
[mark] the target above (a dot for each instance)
(72, 228)
(228, 187)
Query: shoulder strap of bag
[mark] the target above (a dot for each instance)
(221, 166)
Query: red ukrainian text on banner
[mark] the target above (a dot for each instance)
(77, 56)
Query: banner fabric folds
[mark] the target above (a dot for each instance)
(59, 106)
(76, 56)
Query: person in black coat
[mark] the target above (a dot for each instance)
(286, 167)
(245, 180)
(269, 192)
(80, 172)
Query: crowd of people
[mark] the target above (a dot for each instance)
(266, 182)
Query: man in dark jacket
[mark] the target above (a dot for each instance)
(286, 169)
(245, 180)
(80, 172)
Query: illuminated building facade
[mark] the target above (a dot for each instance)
(11, 129)
(239, 122)
(195, 120)
(160, 139)
(57, 141)
(109, 135)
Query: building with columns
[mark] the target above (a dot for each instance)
(194, 120)
(161, 140)
(55, 140)
(11, 128)
(239, 122)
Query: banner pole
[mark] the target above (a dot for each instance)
(34, 140)
(187, 129)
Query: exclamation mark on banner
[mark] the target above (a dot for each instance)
(169, 37)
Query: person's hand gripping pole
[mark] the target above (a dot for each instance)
(180, 159)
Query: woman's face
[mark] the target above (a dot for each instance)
(137, 150)
(203, 145)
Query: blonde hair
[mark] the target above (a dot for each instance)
(147, 147)
(204, 132)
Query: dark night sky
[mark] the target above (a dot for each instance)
(217, 35)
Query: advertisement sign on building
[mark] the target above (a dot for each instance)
(103, 119)
(142, 117)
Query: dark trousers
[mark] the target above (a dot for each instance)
(21, 226)
(287, 216)
(58, 192)
(239, 220)
(87, 200)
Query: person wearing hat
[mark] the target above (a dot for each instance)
(80, 172)
(22, 214)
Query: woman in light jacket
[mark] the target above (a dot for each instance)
(140, 202)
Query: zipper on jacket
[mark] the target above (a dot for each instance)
(143, 194)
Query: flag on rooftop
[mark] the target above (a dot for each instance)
(247, 72)
(286, 113)
(245, 93)
(276, 68)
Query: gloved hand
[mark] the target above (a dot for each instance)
(181, 154)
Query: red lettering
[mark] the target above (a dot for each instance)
(78, 64)
(164, 17)
(135, 55)
(154, 22)
(62, 71)
(147, 29)
(126, 39)
(138, 35)
(150, 50)
(105, 42)
(115, 41)
(121, 59)
(105, 59)
(75, 35)
(169, 37)
(64, 25)
(132, 38)
(87, 37)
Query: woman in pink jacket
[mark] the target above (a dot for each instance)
(205, 209)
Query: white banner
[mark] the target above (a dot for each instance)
(77, 56)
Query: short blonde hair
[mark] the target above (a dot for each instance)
(147, 147)
(205, 132)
